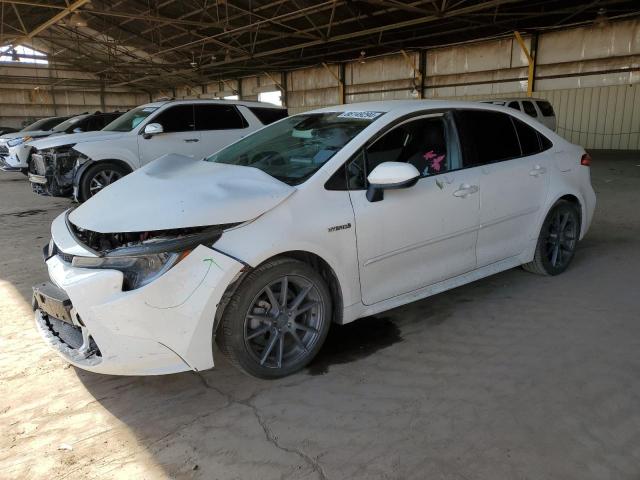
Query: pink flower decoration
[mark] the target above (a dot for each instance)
(436, 160)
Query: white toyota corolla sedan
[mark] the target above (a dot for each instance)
(327, 216)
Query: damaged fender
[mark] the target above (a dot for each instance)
(163, 327)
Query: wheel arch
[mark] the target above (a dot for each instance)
(77, 178)
(83, 168)
(573, 199)
(314, 260)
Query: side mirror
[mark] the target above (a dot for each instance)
(390, 176)
(152, 129)
(78, 130)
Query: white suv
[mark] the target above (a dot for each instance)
(327, 216)
(82, 164)
(536, 108)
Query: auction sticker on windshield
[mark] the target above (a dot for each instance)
(362, 115)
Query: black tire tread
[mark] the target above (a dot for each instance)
(224, 336)
(97, 166)
(536, 265)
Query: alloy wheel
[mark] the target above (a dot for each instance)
(102, 179)
(561, 238)
(284, 322)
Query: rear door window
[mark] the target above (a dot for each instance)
(268, 115)
(545, 108)
(178, 118)
(529, 109)
(486, 137)
(218, 117)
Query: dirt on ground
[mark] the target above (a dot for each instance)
(514, 376)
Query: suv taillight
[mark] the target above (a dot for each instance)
(586, 160)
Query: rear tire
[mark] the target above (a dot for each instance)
(557, 240)
(277, 319)
(99, 176)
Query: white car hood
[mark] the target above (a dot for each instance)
(36, 133)
(67, 139)
(175, 191)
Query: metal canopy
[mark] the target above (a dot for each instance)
(160, 44)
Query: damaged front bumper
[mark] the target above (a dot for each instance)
(163, 327)
(8, 163)
(52, 173)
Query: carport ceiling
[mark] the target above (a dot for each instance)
(156, 44)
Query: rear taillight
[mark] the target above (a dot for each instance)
(586, 160)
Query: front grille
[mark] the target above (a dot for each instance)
(4, 150)
(70, 335)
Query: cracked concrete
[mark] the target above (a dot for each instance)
(514, 376)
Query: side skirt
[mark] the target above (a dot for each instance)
(359, 310)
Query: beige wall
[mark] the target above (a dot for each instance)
(28, 93)
(590, 74)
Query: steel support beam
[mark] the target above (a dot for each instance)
(52, 21)
(530, 60)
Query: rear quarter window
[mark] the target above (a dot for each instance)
(546, 109)
(268, 115)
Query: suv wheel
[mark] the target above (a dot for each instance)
(277, 320)
(97, 177)
(557, 241)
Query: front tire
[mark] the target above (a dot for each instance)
(277, 320)
(557, 241)
(99, 176)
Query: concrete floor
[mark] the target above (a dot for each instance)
(512, 377)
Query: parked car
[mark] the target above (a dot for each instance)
(19, 155)
(536, 108)
(39, 128)
(327, 216)
(81, 165)
(4, 130)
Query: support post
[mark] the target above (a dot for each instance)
(339, 78)
(285, 90)
(530, 60)
(102, 102)
(417, 74)
(423, 71)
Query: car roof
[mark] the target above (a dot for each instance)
(513, 99)
(245, 103)
(408, 106)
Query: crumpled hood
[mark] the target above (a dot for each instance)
(175, 191)
(73, 138)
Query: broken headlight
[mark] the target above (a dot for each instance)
(14, 142)
(138, 270)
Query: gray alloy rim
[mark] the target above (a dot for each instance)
(284, 322)
(561, 238)
(102, 179)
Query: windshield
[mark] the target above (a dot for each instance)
(130, 120)
(61, 127)
(293, 149)
(44, 124)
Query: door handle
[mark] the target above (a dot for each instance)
(191, 140)
(465, 190)
(537, 171)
